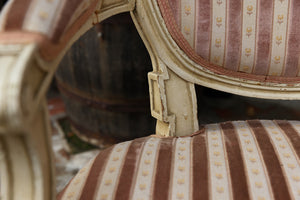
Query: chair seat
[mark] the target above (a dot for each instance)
(257, 159)
(228, 37)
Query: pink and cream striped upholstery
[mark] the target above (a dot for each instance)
(255, 40)
(249, 39)
(239, 160)
(50, 22)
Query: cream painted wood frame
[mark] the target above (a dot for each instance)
(26, 160)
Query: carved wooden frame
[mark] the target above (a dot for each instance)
(168, 58)
(161, 46)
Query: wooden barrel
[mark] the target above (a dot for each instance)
(103, 82)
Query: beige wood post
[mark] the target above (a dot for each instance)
(173, 99)
(173, 103)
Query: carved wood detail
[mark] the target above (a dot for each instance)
(160, 44)
(173, 103)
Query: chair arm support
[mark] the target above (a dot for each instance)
(173, 103)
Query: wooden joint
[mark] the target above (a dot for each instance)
(173, 103)
(158, 101)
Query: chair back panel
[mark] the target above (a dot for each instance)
(182, 56)
(253, 40)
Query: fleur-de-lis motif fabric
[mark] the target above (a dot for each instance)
(229, 29)
(50, 21)
(257, 159)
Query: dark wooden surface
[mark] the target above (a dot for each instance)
(103, 81)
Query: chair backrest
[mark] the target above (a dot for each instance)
(255, 37)
(209, 43)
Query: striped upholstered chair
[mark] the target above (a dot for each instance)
(248, 47)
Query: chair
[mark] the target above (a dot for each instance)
(249, 48)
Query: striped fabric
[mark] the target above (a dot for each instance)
(49, 22)
(49, 17)
(256, 160)
(255, 40)
(249, 39)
